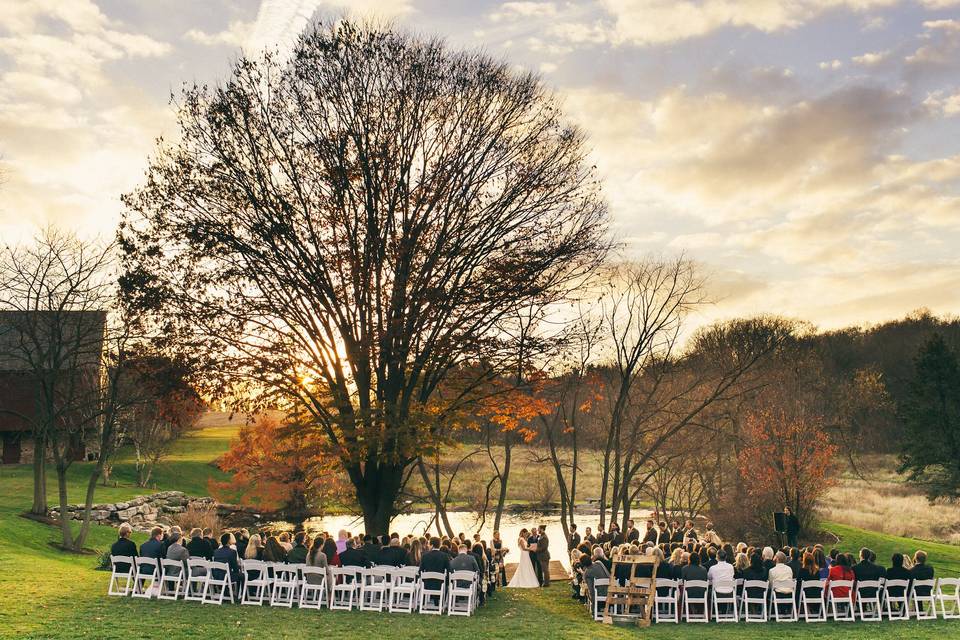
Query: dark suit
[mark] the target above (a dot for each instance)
(152, 548)
(228, 556)
(574, 541)
(543, 559)
(199, 548)
(633, 535)
(922, 572)
(353, 558)
(693, 572)
(371, 551)
(393, 557)
(897, 573)
(650, 536)
(297, 555)
(123, 547)
(434, 561)
(537, 569)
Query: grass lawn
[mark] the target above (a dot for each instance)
(47, 594)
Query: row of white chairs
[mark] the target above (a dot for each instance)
(818, 601)
(397, 590)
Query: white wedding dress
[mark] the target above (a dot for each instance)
(525, 577)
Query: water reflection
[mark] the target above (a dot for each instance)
(466, 522)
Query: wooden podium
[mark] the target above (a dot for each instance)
(638, 592)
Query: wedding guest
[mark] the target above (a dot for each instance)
(243, 539)
(254, 549)
(415, 553)
(298, 554)
(574, 540)
(285, 542)
(840, 571)
(124, 547)
(198, 545)
(436, 561)
(393, 555)
(330, 551)
(920, 571)
(211, 541)
(273, 551)
(740, 565)
(317, 558)
(176, 550)
(153, 547)
(593, 569)
(781, 575)
(352, 557)
(722, 572)
(897, 572)
(228, 555)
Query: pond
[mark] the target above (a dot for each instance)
(467, 522)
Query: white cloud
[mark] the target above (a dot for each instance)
(832, 64)
(870, 59)
(941, 104)
(235, 35)
(521, 10)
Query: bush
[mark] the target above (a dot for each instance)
(198, 515)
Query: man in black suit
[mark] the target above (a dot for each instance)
(533, 540)
(370, 549)
(793, 526)
(921, 571)
(616, 537)
(125, 547)
(393, 555)
(351, 557)
(574, 538)
(198, 546)
(434, 561)
(867, 570)
(631, 534)
(650, 535)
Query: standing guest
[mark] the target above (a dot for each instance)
(793, 526)
(124, 546)
(651, 534)
(198, 545)
(254, 549)
(920, 571)
(689, 533)
(631, 534)
(574, 540)
(243, 539)
(330, 551)
(228, 555)
(352, 557)
(676, 533)
(298, 554)
(273, 551)
(153, 547)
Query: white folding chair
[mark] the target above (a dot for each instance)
(896, 599)
(171, 579)
(921, 597)
(755, 597)
(313, 587)
(869, 593)
(462, 593)
(256, 583)
(198, 570)
(218, 584)
(344, 589)
(724, 593)
(841, 606)
(284, 591)
(427, 594)
(147, 582)
(600, 586)
(403, 591)
(699, 599)
(666, 605)
(812, 596)
(373, 589)
(121, 581)
(783, 595)
(949, 596)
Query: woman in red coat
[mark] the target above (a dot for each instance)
(840, 570)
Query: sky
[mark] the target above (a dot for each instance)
(805, 153)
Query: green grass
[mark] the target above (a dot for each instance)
(48, 594)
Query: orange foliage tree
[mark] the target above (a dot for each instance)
(279, 467)
(786, 460)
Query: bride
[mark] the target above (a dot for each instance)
(525, 577)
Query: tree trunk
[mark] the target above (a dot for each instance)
(88, 505)
(65, 529)
(39, 507)
(504, 478)
(439, 508)
(377, 495)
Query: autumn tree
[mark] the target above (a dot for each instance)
(787, 459)
(364, 215)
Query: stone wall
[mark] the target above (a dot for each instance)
(145, 512)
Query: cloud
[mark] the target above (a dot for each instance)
(942, 104)
(940, 52)
(870, 59)
(522, 10)
(832, 64)
(650, 22)
(235, 35)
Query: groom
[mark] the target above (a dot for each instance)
(542, 560)
(533, 546)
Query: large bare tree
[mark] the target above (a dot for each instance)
(363, 216)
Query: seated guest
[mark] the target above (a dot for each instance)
(317, 558)
(866, 570)
(254, 549)
(741, 564)
(211, 541)
(436, 561)
(599, 555)
(284, 540)
(808, 568)
(768, 559)
(330, 551)
(298, 554)
(781, 575)
(153, 547)
(840, 571)
(897, 572)
(820, 559)
(415, 554)
(464, 560)
(693, 570)
(711, 559)
(392, 555)
(370, 549)
(756, 570)
(243, 539)
(352, 557)
(227, 555)
(793, 554)
(676, 563)
(722, 572)
(176, 550)
(592, 571)
(920, 571)
(124, 547)
(273, 551)
(198, 545)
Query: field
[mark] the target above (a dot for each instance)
(45, 593)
